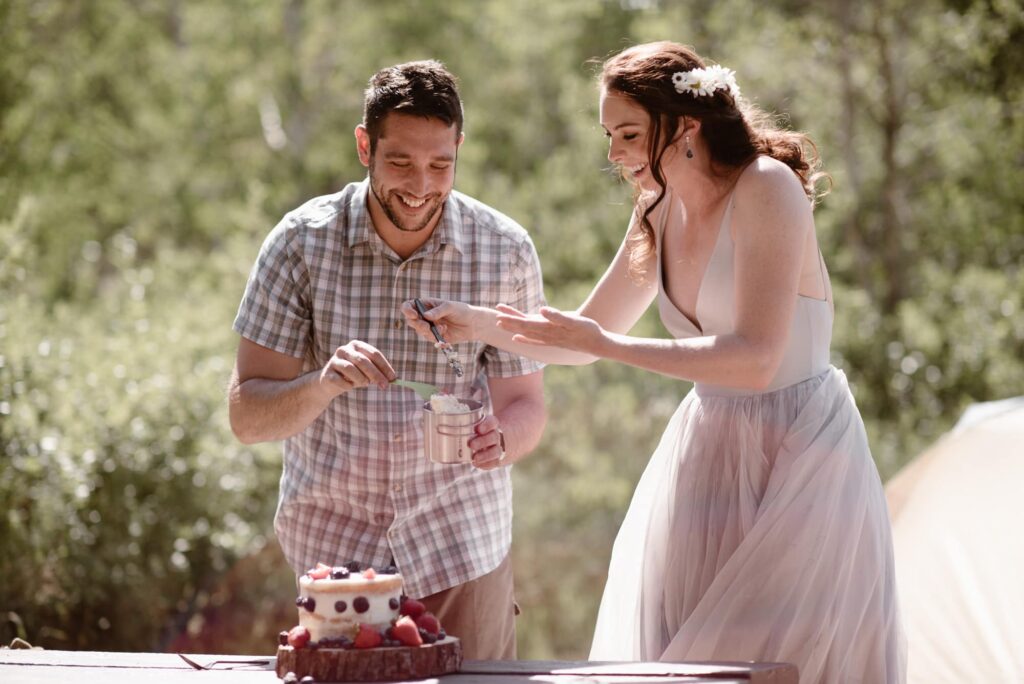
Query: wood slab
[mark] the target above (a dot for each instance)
(372, 664)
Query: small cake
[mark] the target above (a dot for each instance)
(333, 602)
(355, 624)
(447, 403)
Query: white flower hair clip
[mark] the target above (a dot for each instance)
(700, 82)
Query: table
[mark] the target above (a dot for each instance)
(36, 666)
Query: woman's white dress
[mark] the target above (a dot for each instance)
(759, 530)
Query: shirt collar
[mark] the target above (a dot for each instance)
(449, 229)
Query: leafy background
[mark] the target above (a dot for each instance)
(147, 146)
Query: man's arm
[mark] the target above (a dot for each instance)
(520, 415)
(269, 397)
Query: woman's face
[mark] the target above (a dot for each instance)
(627, 126)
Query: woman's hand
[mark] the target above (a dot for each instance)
(554, 328)
(454, 320)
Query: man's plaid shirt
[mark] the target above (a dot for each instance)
(356, 484)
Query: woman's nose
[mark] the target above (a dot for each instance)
(613, 153)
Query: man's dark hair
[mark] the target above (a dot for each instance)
(423, 88)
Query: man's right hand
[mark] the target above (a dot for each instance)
(454, 320)
(354, 365)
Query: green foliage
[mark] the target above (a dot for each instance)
(147, 147)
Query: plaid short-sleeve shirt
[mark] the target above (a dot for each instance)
(356, 484)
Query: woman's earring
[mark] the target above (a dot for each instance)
(689, 150)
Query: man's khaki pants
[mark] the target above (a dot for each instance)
(481, 613)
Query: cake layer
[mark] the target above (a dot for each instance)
(331, 608)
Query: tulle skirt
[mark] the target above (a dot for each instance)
(759, 531)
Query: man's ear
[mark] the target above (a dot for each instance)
(363, 145)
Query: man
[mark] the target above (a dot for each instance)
(322, 336)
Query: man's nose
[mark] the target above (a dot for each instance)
(419, 182)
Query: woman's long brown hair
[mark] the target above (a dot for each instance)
(735, 132)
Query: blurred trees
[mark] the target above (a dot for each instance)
(146, 147)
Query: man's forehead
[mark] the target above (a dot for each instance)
(397, 124)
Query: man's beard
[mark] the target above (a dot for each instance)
(393, 214)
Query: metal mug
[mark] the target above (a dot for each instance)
(446, 435)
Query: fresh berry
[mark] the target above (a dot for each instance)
(361, 604)
(340, 606)
(406, 631)
(441, 635)
(368, 637)
(412, 608)
(428, 622)
(393, 603)
(339, 573)
(427, 637)
(282, 639)
(298, 636)
(307, 602)
(389, 570)
(321, 571)
(369, 573)
(354, 566)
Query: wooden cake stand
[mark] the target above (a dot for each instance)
(379, 664)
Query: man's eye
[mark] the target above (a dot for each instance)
(400, 165)
(440, 167)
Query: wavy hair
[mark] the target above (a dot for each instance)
(735, 132)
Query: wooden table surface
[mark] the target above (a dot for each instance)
(37, 666)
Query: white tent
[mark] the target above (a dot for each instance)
(958, 528)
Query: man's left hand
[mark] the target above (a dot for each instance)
(488, 448)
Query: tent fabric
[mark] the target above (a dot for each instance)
(958, 531)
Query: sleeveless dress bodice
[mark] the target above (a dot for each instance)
(810, 331)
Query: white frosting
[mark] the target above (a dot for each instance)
(325, 621)
(447, 403)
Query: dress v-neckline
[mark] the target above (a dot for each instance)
(695, 321)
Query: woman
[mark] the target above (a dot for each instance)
(759, 530)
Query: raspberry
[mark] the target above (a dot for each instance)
(412, 608)
(428, 622)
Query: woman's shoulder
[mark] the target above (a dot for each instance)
(766, 173)
(767, 182)
(769, 191)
